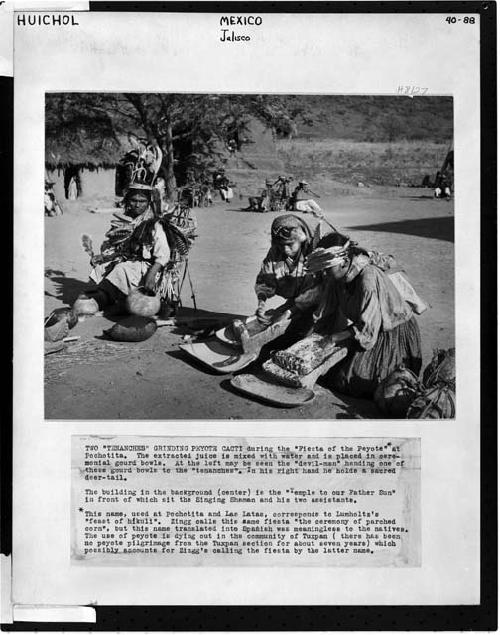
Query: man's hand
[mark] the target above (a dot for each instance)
(150, 278)
(149, 283)
(96, 260)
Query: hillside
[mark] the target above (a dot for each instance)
(376, 118)
(373, 163)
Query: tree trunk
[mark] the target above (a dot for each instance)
(167, 148)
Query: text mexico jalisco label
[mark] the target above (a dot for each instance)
(228, 34)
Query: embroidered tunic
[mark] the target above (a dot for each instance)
(129, 274)
(287, 280)
(286, 277)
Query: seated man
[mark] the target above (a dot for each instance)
(134, 254)
(262, 203)
(300, 204)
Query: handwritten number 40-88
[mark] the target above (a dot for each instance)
(467, 20)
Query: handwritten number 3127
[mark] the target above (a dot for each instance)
(466, 20)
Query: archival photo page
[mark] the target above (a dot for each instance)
(257, 268)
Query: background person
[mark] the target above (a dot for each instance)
(299, 203)
(51, 204)
(221, 183)
(262, 203)
(442, 187)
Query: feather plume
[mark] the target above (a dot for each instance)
(86, 242)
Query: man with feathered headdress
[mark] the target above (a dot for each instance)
(134, 253)
(143, 247)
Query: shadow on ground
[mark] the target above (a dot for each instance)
(191, 361)
(66, 289)
(342, 406)
(441, 228)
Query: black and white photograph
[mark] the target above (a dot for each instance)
(247, 256)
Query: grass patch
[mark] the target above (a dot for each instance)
(375, 163)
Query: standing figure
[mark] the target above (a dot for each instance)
(442, 187)
(362, 307)
(206, 194)
(300, 204)
(72, 189)
(282, 194)
(221, 183)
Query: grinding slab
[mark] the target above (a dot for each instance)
(292, 379)
(220, 357)
(276, 394)
(258, 334)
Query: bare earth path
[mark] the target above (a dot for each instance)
(99, 379)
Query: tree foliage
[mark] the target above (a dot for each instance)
(204, 121)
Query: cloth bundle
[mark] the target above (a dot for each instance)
(304, 356)
(58, 324)
(407, 292)
(401, 394)
(396, 392)
(437, 400)
(441, 368)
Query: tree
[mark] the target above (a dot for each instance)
(393, 127)
(166, 118)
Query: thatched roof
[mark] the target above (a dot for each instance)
(79, 131)
(83, 149)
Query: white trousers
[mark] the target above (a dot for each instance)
(307, 206)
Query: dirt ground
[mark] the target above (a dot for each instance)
(98, 379)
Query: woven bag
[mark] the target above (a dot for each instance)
(396, 392)
(441, 368)
(437, 402)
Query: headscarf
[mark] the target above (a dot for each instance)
(347, 251)
(325, 257)
(288, 228)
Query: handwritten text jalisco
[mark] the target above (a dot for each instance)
(229, 35)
